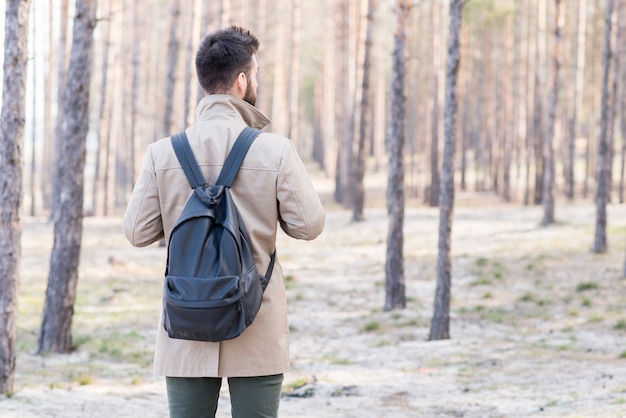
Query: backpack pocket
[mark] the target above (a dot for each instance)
(203, 309)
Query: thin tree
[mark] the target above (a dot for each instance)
(539, 83)
(33, 159)
(578, 76)
(172, 60)
(433, 189)
(56, 327)
(294, 73)
(602, 165)
(440, 324)
(11, 161)
(548, 150)
(358, 169)
(102, 122)
(61, 60)
(395, 297)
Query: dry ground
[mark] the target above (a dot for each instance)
(538, 322)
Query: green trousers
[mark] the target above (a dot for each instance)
(250, 397)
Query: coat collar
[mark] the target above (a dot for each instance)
(215, 106)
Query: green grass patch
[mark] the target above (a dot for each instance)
(620, 325)
(585, 286)
(371, 326)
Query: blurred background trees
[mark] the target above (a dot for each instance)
(514, 102)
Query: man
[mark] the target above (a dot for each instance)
(272, 188)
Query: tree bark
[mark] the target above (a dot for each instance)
(358, 174)
(602, 165)
(395, 297)
(172, 61)
(548, 151)
(33, 157)
(440, 324)
(11, 161)
(61, 71)
(538, 127)
(294, 74)
(433, 190)
(280, 102)
(102, 122)
(56, 327)
(578, 81)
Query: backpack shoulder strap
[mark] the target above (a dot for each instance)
(187, 160)
(236, 156)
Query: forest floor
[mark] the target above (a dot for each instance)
(538, 322)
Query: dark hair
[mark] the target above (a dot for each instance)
(222, 56)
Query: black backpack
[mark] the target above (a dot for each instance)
(212, 289)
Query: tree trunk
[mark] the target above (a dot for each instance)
(531, 91)
(622, 114)
(102, 122)
(294, 74)
(538, 128)
(358, 193)
(62, 69)
(204, 30)
(172, 61)
(189, 35)
(440, 324)
(548, 170)
(280, 103)
(134, 91)
(48, 140)
(56, 327)
(395, 297)
(433, 190)
(578, 75)
(328, 115)
(11, 160)
(33, 157)
(602, 165)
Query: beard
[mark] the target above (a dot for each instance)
(250, 95)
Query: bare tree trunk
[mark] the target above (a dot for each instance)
(61, 66)
(358, 193)
(622, 115)
(329, 118)
(614, 90)
(204, 29)
(280, 104)
(33, 156)
(596, 30)
(548, 170)
(172, 61)
(48, 140)
(294, 74)
(134, 91)
(538, 128)
(189, 32)
(433, 191)
(102, 121)
(440, 324)
(345, 125)
(578, 75)
(531, 86)
(602, 169)
(56, 327)
(395, 297)
(11, 160)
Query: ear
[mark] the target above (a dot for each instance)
(240, 85)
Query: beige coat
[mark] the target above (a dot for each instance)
(272, 188)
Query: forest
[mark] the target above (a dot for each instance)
(403, 111)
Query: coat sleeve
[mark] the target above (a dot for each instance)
(142, 220)
(301, 214)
